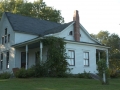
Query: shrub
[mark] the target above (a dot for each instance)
(5, 75)
(103, 70)
(21, 73)
(114, 68)
(84, 75)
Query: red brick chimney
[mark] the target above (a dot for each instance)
(76, 26)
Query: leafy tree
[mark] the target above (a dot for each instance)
(102, 36)
(110, 40)
(114, 44)
(36, 9)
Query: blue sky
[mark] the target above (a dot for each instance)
(95, 15)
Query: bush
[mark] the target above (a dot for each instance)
(84, 75)
(5, 75)
(102, 69)
(34, 71)
(21, 73)
(30, 72)
(114, 73)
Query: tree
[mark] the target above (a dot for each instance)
(102, 36)
(110, 40)
(37, 9)
(114, 44)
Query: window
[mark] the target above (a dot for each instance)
(5, 39)
(8, 37)
(71, 33)
(86, 58)
(5, 31)
(2, 40)
(71, 57)
(7, 60)
(1, 61)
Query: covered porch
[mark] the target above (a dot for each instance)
(29, 53)
(102, 54)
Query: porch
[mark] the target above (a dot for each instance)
(29, 53)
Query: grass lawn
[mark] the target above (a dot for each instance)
(57, 84)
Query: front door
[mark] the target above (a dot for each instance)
(37, 57)
(23, 59)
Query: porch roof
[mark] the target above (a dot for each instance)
(36, 43)
(32, 43)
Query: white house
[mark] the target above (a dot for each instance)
(20, 41)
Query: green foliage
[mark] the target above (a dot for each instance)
(56, 56)
(21, 73)
(5, 75)
(36, 9)
(40, 70)
(102, 69)
(110, 40)
(85, 75)
(114, 68)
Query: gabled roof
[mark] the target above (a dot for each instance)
(35, 26)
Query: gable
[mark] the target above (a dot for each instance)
(6, 25)
(84, 35)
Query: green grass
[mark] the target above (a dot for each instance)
(57, 84)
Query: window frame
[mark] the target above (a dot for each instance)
(2, 41)
(1, 61)
(71, 58)
(5, 38)
(7, 59)
(8, 37)
(5, 31)
(86, 60)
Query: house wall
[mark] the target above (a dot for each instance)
(79, 58)
(21, 37)
(7, 46)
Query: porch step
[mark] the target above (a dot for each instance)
(94, 76)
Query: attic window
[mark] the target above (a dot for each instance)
(71, 33)
(8, 37)
(2, 40)
(5, 31)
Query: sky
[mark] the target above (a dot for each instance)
(95, 15)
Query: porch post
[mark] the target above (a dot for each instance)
(107, 61)
(26, 56)
(41, 46)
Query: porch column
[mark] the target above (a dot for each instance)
(41, 46)
(26, 57)
(99, 55)
(107, 59)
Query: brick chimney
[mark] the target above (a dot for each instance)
(76, 26)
